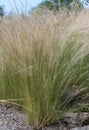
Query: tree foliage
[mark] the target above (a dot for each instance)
(48, 4)
(66, 1)
(55, 4)
(1, 11)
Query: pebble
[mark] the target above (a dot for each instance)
(1, 122)
(81, 128)
(4, 128)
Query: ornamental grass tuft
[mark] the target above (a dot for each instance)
(44, 63)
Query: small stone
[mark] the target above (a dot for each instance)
(51, 128)
(81, 128)
(4, 128)
(1, 123)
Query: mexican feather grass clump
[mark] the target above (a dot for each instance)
(44, 63)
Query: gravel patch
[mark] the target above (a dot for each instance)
(12, 119)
